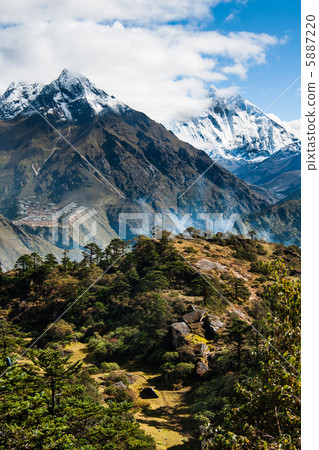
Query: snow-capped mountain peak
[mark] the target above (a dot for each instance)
(294, 126)
(233, 128)
(17, 98)
(71, 97)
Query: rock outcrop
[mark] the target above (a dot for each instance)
(148, 392)
(213, 325)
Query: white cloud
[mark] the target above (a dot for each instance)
(227, 92)
(160, 69)
(236, 69)
(139, 11)
(230, 17)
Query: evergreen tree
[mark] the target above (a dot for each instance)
(236, 334)
(264, 411)
(53, 368)
(10, 338)
(92, 253)
(116, 248)
(50, 260)
(66, 261)
(23, 263)
(36, 260)
(252, 234)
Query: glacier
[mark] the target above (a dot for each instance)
(236, 130)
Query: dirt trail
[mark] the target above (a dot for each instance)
(167, 418)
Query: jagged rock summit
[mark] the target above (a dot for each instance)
(71, 97)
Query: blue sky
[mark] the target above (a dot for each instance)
(266, 82)
(159, 57)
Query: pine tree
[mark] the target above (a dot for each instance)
(54, 369)
(236, 334)
(23, 263)
(66, 261)
(50, 260)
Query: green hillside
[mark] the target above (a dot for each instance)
(185, 343)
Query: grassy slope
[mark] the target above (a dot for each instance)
(167, 418)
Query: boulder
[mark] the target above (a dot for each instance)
(180, 328)
(179, 331)
(206, 264)
(201, 348)
(148, 392)
(201, 368)
(194, 316)
(119, 385)
(213, 325)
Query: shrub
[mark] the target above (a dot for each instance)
(112, 378)
(170, 356)
(279, 250)
(154, 280)
(168, 366)
(93, 370)
(259, 267)
(190, 250)
(119, 395)
(61, 330)
(245, 253)
(183, 370)
(109, 367)
(101, 348)
(260, 249)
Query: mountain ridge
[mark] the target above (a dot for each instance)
(106, 151)
(72, 94)
(234, 129)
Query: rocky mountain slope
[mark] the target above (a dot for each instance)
(87, 148)
(273, 222)
(14, 241)
(69, 143)
(281, 172)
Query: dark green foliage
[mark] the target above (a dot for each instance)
(246, 253)
(50, 260)
(77, 421)
(170, 357)
(262, 407)
(92, 254)
(190, 250)
(260, 267)
(260, 249)
(23, 263)
(244, 249)
(205, 287)
(177, 374)
(109, 367)
(126, 318)
(183, 370)
(235, 288)
(66, 262)
(10, 339)
(235, 333)
(10, 208)
(153, 281)
(51, 367)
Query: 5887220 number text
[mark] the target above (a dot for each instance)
(310, 40)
